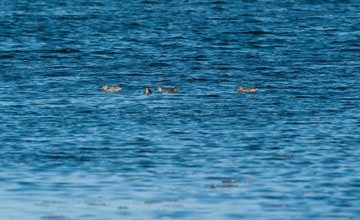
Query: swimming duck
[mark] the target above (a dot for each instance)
(172, 90)
(159, 88)
(147, 91)
(105, 88)
(241, 89)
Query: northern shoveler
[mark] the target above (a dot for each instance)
(105, 88)
(172, 90)
(241, 89)
(147, 91)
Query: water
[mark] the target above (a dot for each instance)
(289, 151)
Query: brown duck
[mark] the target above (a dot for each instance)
(147, 91)
(106, 88)
(172, 90)
(241, 89)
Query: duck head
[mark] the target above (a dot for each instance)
(239, 88)
(159, 88)
(104, 87)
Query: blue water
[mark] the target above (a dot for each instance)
(70, 151)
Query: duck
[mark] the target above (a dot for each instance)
(106, 88)
(241, 89)
(147, 91)
(172, 90)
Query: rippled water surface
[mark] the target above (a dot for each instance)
(70, 151)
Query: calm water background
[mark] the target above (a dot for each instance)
(289, 151)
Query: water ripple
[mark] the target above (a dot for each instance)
(290, 149)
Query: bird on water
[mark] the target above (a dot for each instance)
(171, 90)
(147, 91)
(106, 88)
(242, 89)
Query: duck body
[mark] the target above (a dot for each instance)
(242, 89)
(172, 90)
(106, 88)
(147, 91)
